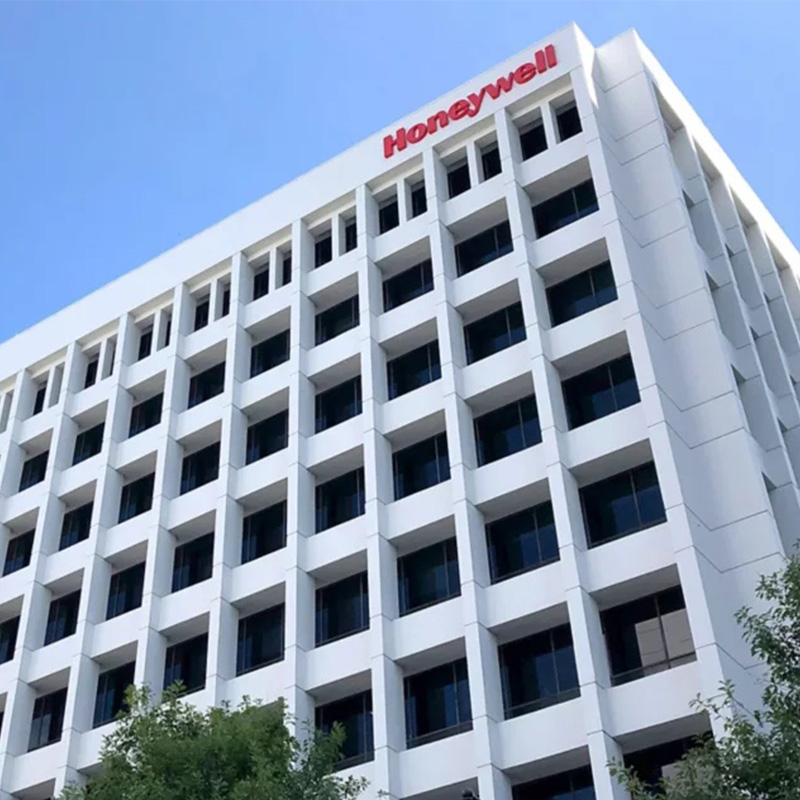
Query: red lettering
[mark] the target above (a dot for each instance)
(417, 133)
(458, 110)
(524, 72)
(550, 55)
(541, 64)
(390, 142)
(438, 120)
(494, 90)
(476, 101)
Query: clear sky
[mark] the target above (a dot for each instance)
(127, 127)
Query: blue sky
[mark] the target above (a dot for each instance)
(127, 127)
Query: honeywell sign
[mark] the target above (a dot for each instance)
(471, 104)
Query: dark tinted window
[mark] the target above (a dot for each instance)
(75, 526)
(568, 122)
(575, 785)
(261, 283)
(62, 617)
(490, 161)
(419, 202)
(146, 415)
(482, 248)
(340, 499)
(437, 703)
(267, 437)
(269, 353)
(260, 640)
(226, 301)
(91, 374)
(600, 391)
(200, 468)
(201, 313)
(125, 591)
(342, 609)
(428, 576)
(88, 443)
(18, 552)
(622, 504)
(413, 369)
(137, 497)
(350, 235)
(323, 249)
(145, 344)
(565, 208)
(521, 542)
(407, 285)
(286, 268)
(458, 178)
(648, 635)
(48, 719)
(186, 662)
(538, 671)
(581, 293)
(38, 400)
(8, 639)
(33, 471)
(388, 215)
(110, 697)
(507, 430)
(337, 404)
(654, 764)
(495, 332)
(532, 140)
(193, 562)
(264, 532)
(207, 384)
(336, 320)
(354, 714)
(420, 466)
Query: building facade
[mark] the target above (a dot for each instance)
(473, 438)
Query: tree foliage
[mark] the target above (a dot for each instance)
(758, 755)
(170, 750)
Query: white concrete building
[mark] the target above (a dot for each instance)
(474, 437)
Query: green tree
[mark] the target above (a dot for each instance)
(169, 750)
(758, 755)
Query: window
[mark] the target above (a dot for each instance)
(33, 471)
(538, 671)
(413, 369)
(647, 636)
(18, 553)
(428, 576)
(267, 437)
(407, 285)
(494, 332)
(654, 764)
(336, 320)
(38, 401)
(574, 785)
(437, 703)
(419, 202)
(137, 497)
(458, 178)
(582, 293)
(145, 344)
(269, 353)
(287, 268)
(226, 301)
(323, 249)
(110, 697)
(522, 542)
(48, 719)
(186, 662)
(342, 609)
(8, 639)
(146, 415)
(261, 283)
(340, 500)
(193, 562)
(532, 140)
(75, 526)
(264, 532)
(201, 313)
(260, 639)
(388, 215)
(420, 466)
(91, 373)
(207, 384)
(565, 208)
(507, 430)
(167, 330)
(622, 504)
(350, 235)
(490, 161)
(337, 404)
(62, 618)
(354, 714)
(200, 468)
(568, 121)
(88, 443)
(482, 248)
(125, 591)
(600, 391)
